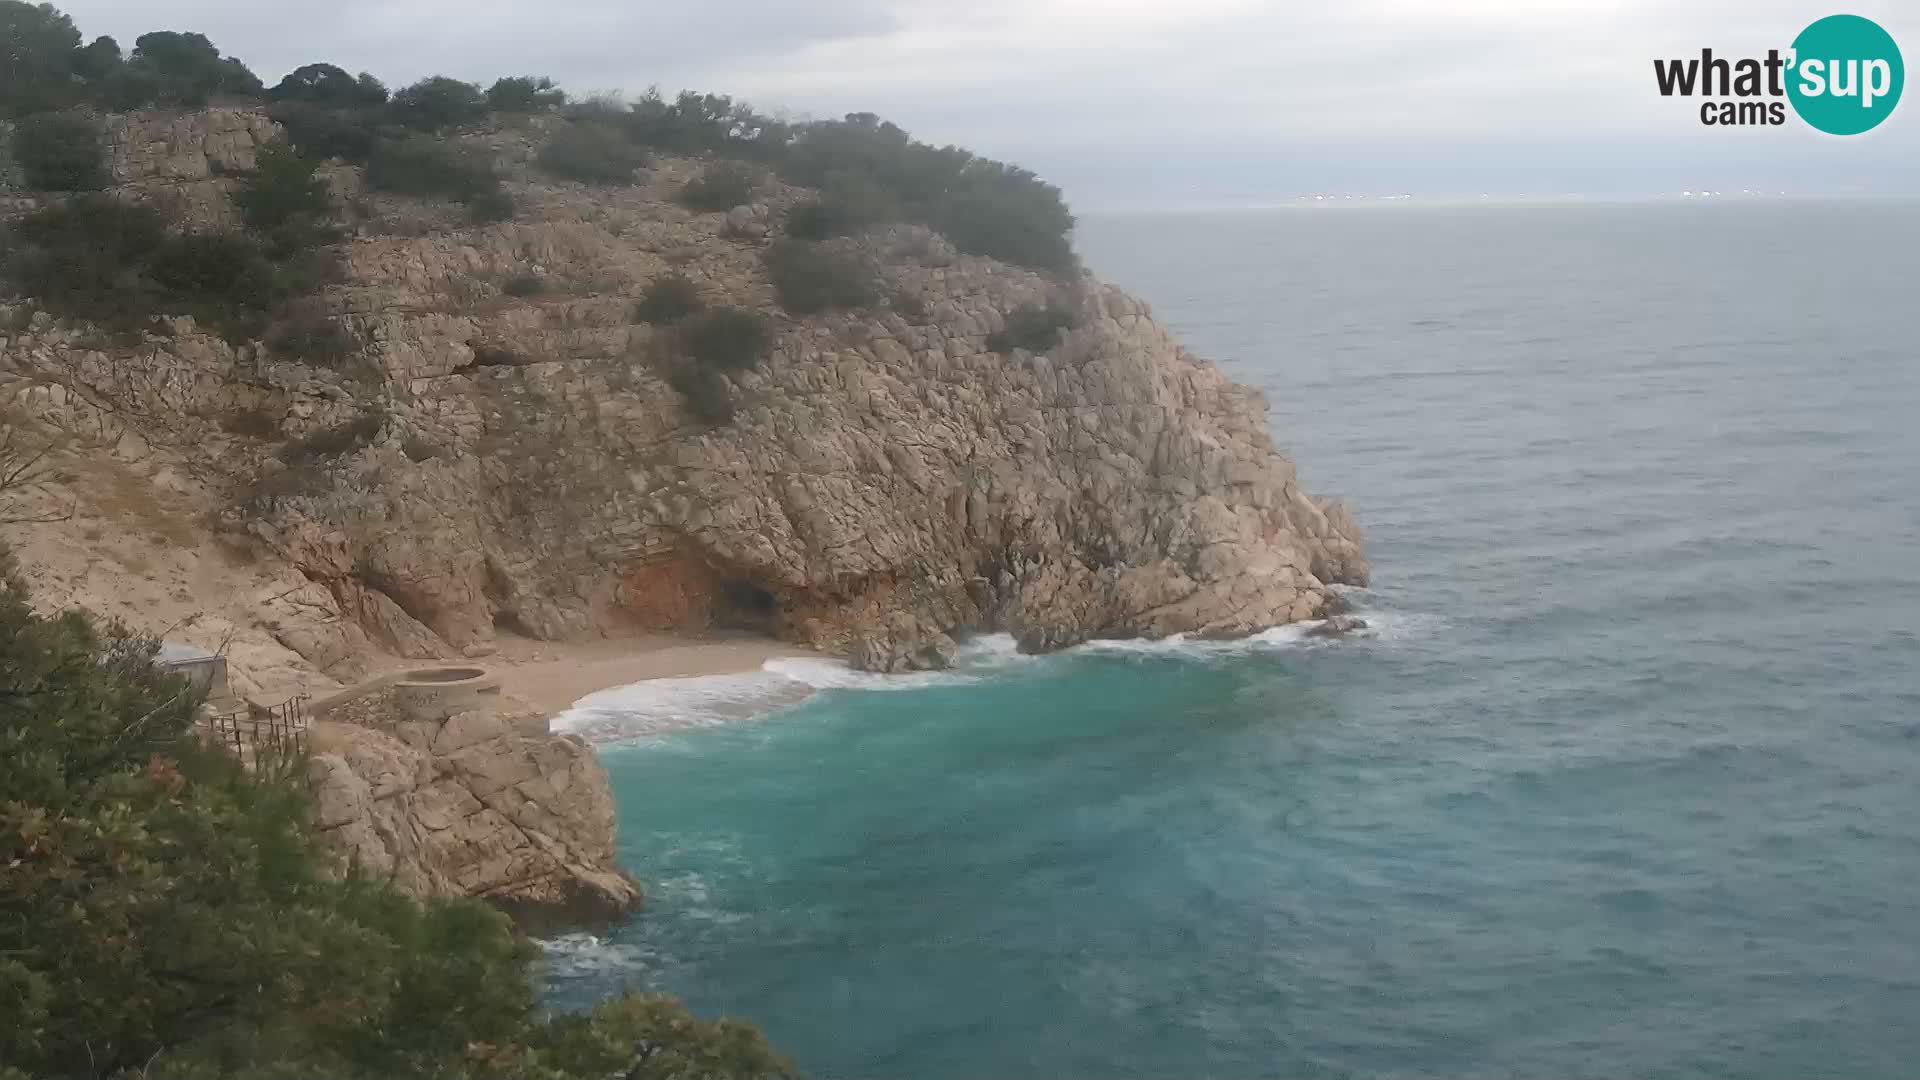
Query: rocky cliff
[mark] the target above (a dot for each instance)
(470, 797)
(887, 480)
(498, 458)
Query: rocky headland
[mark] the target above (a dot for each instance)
(505, 454)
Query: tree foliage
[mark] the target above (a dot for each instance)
(61, 152)
(698, 123)
(1032, 327)
(811, 278)
(721, 186)
(437, 103)
(85, 258)
(422, 165)
(727, 339)
(170, 914)
(98, 60)
(592, 153)
(707, 394)
(668, 298)
(37, 46)
(848, 203)
(306, 333)
(867, 171)
(325, 84)
(186, 69)
(322, 131)
(524, 94)
(284, 202)
(114, 262)
(984, 207)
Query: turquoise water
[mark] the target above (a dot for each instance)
(1623, 784)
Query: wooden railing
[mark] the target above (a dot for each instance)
(254, 731)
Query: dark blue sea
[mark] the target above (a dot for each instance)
(1624, 782)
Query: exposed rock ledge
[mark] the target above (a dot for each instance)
(469, 795)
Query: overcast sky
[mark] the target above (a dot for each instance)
(1131, 103)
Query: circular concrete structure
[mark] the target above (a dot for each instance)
(433, 694)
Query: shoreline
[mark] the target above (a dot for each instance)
(553, 675)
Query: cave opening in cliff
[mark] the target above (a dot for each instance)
(509, 622)
(742, 605)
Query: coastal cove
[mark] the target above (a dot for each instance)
(1618, 782)
(511, 580)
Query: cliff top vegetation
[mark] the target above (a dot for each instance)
(868, 171)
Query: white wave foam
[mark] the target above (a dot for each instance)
(660, 706)
(821, 674)
(657, 706)
(1385, 626)
(589, 956)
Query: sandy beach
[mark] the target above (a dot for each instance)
(553, 675)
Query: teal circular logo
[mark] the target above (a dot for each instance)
(1846, 75)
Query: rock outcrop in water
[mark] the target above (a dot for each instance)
(887, 479)
(473, 798)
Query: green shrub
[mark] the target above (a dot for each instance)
(694, 123)
(223, 268)
(343, 438)
(251, 423)
(810, 278)
(722, 186)
(327, 85)
(908, 304)
(284, 203)
(524, 94)
(307, 334)
(524, 284)
(419, 449)
(61, 152)
(99, 60)
(707, 393)
(37, 72)
(321, 132)
(84, 259)
(422, 165)
(114, 263)
(172, 912)
(438, 103)
(1033, 328)
(668, 298)
(183, 69)
(490, 206)
(679, 1047)
(849, 203)
(726, 339)
(299, 273)
(606, 107)
(984, 207)
(592, 153)
(1005, 220)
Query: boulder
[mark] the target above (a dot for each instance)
(479, 803)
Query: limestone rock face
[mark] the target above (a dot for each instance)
(887, 481)
(481, 803)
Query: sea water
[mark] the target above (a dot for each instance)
(1623, 781)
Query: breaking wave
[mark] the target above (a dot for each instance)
(662, 706)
